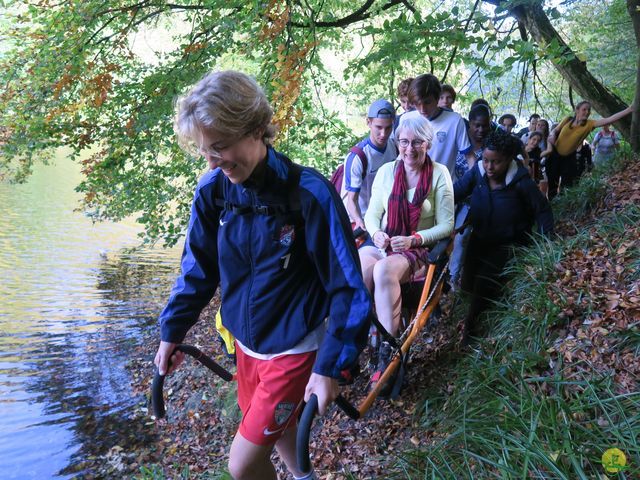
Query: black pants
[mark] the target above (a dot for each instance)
(561, 167)
(483, 278)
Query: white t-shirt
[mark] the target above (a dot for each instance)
(310, 343)
(353, 180)
(449, 138)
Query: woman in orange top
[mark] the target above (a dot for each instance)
(565, 139)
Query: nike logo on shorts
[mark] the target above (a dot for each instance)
(268, 432)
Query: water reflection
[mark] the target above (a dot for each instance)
(69, 318)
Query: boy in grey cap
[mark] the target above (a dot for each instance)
(363, 161)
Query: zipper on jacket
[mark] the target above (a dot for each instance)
(249, 290)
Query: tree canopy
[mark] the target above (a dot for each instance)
(76, 74)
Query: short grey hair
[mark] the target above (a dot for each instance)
(418, 125)
(230, 103)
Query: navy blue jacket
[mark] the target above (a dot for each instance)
(505, 215)
(278, 280)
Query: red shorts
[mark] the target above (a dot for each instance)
(270, 393)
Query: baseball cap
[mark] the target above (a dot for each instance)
(381, 108)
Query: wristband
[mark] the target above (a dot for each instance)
(418, 239)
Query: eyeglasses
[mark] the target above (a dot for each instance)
(217, 151)
(404, 143)
(213, 152)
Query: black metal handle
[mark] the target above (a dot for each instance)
(347, 407)
(437, 252)
(304, 430)
(157, 400)
(359, 232)
(304, 427)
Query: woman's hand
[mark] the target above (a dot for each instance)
(166, 350)
(325, 388)
(380, 239)
(400, 244)
(359, 223)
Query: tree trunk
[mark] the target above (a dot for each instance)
(604, 101)
(633, 7)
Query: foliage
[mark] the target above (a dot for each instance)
(603, 33)
(554, 384)
(578, 202)
(76, 74)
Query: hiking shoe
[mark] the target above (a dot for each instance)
(385, 355)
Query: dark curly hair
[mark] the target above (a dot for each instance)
(503, 142)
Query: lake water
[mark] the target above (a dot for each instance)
(74, 302)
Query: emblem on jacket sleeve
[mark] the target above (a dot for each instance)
(287, 235)
(283, 412)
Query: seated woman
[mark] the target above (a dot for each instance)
(505, 203)
(411, 207)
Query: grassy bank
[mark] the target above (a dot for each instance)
(555, 383)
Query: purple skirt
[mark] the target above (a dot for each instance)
(417, 258)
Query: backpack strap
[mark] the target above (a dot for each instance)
(563, 123)
(293, 192)
(363, 158)
(291, 208)
(597, 138)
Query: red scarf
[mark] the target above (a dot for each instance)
(402, 216)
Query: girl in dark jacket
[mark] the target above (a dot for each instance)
(505, 203)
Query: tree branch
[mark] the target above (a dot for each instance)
(409, 6)
(455, 49)
(360, 14)
(581, 80)
(535, 91)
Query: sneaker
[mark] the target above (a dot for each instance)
(385, 355)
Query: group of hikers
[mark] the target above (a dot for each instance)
(297, 293)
